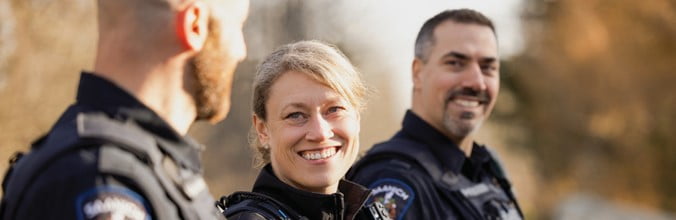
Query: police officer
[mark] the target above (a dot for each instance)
(308, 137)
(273, 199)
(120, 151)
(432, 168)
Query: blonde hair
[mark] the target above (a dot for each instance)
(321, 61)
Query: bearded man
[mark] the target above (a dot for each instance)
(121, 150)
(433, 168)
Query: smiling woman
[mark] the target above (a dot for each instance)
(307, 103)
(311, 132)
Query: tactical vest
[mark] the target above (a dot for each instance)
(481, 200)
(186, 189)
(270, 208)
(261, 204)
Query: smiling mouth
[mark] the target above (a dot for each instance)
(468, 98)
(466, 103)
(319, 154)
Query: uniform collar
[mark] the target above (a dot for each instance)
(476, 166)
(345, 204)
(446, 151)
(103, 95)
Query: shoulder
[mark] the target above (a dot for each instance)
(84, 193)
(97, 179)
(397, 194)
(251, 205)
(391, 159)
(86, 178)
(397, 178)
(247, 215)
(396, 183)
(91, 160)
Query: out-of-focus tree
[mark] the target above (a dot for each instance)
(595, 90)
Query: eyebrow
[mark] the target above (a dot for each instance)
(488, 60)
(463, 56)
(456, 55)
(294, 105)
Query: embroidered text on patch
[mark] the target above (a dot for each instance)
(117, 207)
(390, 191)
(111, 202)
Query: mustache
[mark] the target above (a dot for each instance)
(481, 95)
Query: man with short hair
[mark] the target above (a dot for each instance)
(121, 150)
(433, 168)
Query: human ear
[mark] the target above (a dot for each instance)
(192, 25)
(262, 132)
(416, 73)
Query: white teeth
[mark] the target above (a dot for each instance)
(320, 154)
(466, 103)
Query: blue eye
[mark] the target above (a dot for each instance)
(294, 115)
(335, 109)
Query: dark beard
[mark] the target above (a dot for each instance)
(457, 128)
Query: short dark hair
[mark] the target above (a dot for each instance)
(425, 38)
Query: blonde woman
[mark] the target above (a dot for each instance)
(307, 101)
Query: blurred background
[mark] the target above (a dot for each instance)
(582, 122)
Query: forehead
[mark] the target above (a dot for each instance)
(294, 86)
(471, 39)
(293, 79)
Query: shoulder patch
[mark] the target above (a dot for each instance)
(111, 202)
(394, 194)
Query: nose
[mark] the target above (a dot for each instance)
(474, 78)
(319, 129)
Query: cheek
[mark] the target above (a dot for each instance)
(494, 88)
(437, 90)
(348, 129)
(283, 139)
(353, 128)
(440, 83)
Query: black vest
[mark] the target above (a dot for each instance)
(130, 144)
(273, 199)
(475, 199)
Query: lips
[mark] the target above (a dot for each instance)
(466, 103)
(319, 154)
(467, 97)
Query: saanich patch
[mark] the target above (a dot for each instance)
(111, 202)
(394, 194)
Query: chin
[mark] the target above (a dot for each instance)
(459, 128)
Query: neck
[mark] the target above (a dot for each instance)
(157, 83)
(466, 144)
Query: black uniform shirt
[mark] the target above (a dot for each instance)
(345, 204)
(73, 186)
(407, 190)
